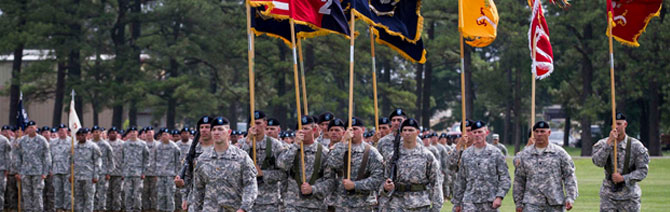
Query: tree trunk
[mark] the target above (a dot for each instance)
(171, 112)
(517, 111)
(507, 135)
(15, 88)
(428, 76)
(587, 90)
(232, 112)
(60, 93)
(469, 89)
(280, 110)
(132, 113)
(135, 31)
(118, 35)
(653, 119)
(566, 128)
(419, 91)
(96, 111)
(74, 62)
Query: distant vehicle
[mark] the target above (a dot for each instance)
(556, 137)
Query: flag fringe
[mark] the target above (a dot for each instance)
(419, 26)
(634, 42)
(401, 52)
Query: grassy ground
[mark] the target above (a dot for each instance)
(655, 188)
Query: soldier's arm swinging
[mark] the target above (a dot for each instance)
(641, 160)
(519, 182)
(435, 183)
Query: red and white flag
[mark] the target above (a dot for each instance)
(538, 42)
(73, 119)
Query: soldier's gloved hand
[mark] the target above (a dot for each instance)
(617, 178)
(95, 180)
(568, 205)
(184, 205)
(519, 209)
(178, 181)
(348, 184)
(613, 135)
(305, 188)
(388, 185)
(497, 202)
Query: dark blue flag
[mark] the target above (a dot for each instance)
(397, 18)
(273, 27)
(21, 115)
(414, 52)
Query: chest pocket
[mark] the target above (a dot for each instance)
(416, 169)
(227, 172)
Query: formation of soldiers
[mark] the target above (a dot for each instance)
(323, 166)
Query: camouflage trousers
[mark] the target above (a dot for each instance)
(543, 208)
(165, 188)
(32, 188)
(265, 208)
(11, 193)
(84, 194)
(292, 208)
(100, 200)
(3, 184)
(115, 193)
(479, 207)
(177, 199)
(132, 189)
(49, 205)
(610, 205)
(61, 188)
(421, 209)
(351, 209)
(149, 193)
(225, 208)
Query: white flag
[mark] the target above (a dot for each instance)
(74, 119)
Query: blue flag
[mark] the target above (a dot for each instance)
(414, 52)
(398, 18)
(21, 114)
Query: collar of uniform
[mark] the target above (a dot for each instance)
(416, 150)
(357, 147)
(310, 147)
(550, 148)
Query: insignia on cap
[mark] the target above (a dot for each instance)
(304, 119)
(398, 111)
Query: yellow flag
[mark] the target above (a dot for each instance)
(477, 21)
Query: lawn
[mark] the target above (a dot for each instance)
(655, 188)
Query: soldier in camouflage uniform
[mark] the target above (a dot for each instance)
(366, 173)
(273, 129)
(323, 121)
(385, 144)
(307, 194)
(60, 169)
(32, 160)
(149, 182)
(167, 165)
(496, 142)
(48, 196)
(542, 173)
(204, 144)
(115, 189)
(483, 179)
(12, 191)
(440, 143)
(336, 130)
(108, 164)
(433, 149)
(225, 176)
(86, 171)
(384, 129)
(415, 183)
(620, 191)
(134, 163)
(267, 151)
(5, 164)
(184, 144)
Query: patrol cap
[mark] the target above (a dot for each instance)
(6, 127)
(326, 116)
(356, 122)
(410, 122)
(306, 120)
(82, 131)
(185, 129)
(147, 128)
(54, 130)
(95, 127)
(540, 125)
(113, 129)
(495, 136)
(31, 123)
(398, 112)
(218, 121)
(61, 126)
(468, 123)
(204, 120)
(258, 114)
(443, 135)
(45, 128)
(131, 128)
(273, 122)
(620, 116)
(174, 132)
(478, 124)
(384, 120)
(336, 123)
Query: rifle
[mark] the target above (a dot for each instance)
(188, 161)
(396, 155)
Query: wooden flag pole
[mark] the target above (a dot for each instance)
(462, 88)
(374, 78)
(72, 141)
(351, 87)
(302, 75)
(612, 88)
(532, 100)
(297, 96)
(251, 80)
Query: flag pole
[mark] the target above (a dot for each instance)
(374, 78)
(533, 81)
(250, 53)
(74, 138)
(18, 181)
(609, 27)
(462, 88)
(351, 86)
(302, 75)
(297, 96)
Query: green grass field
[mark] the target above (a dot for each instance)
(655, 188)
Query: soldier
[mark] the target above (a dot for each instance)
(542, 173)
(134, 163)
(205, 142)
(336, 130)
(175, 136)
(323, 121)
(496, 143)
(115, 189)
(60, 168)
(306, 194)
(267, 151)
(462, 143)
(273, 128)
(167, 165)
(48, 195)
(32, 160)
(5, 164)
(433, 149)
(184, 144)
(441, 144)
(12, 192)
(87, 167)
(366, 172)
(225, 176)
(414, 181)
(384, 129)
(149, 190)
(620, 191)
(385, 144)
(483, 179)
(106, 167)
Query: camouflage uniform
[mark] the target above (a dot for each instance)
(446, 175)
(49, 195)
(385, 146)
(369, 183)
(541, 177)
(224, 181)
(167, 166)
(268, 189)
(86, 168)
(188, 179)
(12, 191)
(32, 160)
(134, 162)
(5, 164)
(418, 182)
(107, 167)
(502, 148)
(115, 189)
(628, 198)
(60, 168)
(183, 149)
(436, 152)
(149, 182)
(482, 176)
(321, 183)
(323, 141)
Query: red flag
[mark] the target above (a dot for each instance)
(538, 39)
(630, 18)
(323, 16)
